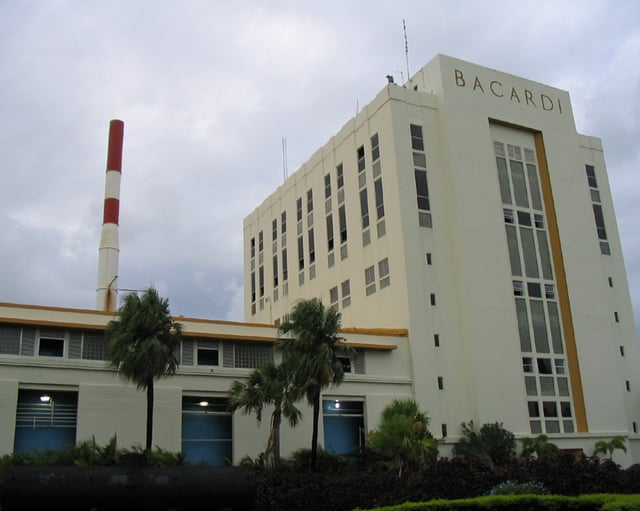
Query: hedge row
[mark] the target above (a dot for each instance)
(351, 487)
(600, 502)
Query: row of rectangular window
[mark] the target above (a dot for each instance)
(87, 345)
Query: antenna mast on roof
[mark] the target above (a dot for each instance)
(406, 47)
(284, 158)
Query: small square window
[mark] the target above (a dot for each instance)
(51, 347)
(550, 409)
(534, 409)
(508, 215)
(207, 357)
(518, 288)
(534, 289)
(549, 291)
(559, 363)
(538, 220)
(524, 218)
(544, 366)
(527, 364)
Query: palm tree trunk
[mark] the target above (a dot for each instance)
(314, 438)
(149, 414)
(277, 419)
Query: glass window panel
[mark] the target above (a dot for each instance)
(514, 252)
(554, 326)
(523, 325)
(534, 188)
(545, 258)
(547, 387)
(531, 386)
(539, 326)
(529, 252)
(563, 387)
(544, 366)
(534, 408)
(503, 180)
(519, 184)
(550, 408)
(552, 426)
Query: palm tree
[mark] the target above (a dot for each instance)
(403, 435)
(315, 352)
(268, 385)
(604, 447)
(539, 446)
(142, 344)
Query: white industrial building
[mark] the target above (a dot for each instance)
(465, 207)
(466, 233)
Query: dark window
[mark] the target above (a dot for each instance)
(534, 409)
(417, 142)
(327, 186)
(312, 247)
(375, 148)
(379, 198)
(342, 219)
(207, 357)
(364, 208)
(361, 162)
(436, 340)
(299, 209)
(309, 201)
(300, 253)
(283, 222)
(591, 176)
(544, 366)
(274, 229)
(330, 232)
(340, 176)
(51, 347)
(422, 189)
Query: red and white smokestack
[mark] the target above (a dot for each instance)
(108, 253)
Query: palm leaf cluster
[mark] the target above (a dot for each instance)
(142, 344)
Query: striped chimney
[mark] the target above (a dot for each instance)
(107, 289)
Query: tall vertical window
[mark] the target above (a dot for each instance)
(342, 221)
(300, 253)
(329, 232)
(377, 184)
(327, 186)
(361, 160)
(275, 270)
(285, 271)
(346, 293)
(536, 301)
(370, 280)
(420, 174)
(299, 209)
(283, 222)
(417, 143)
(383, 273)
(312, 246)
(309, 201)
(597, 209)
(364, 208)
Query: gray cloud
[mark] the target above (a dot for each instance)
(207, 90)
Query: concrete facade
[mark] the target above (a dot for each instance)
(465, 207)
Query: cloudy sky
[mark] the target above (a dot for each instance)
(207, 89)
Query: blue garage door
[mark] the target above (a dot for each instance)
(343, 423)
(206, 431)
(45, 420)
